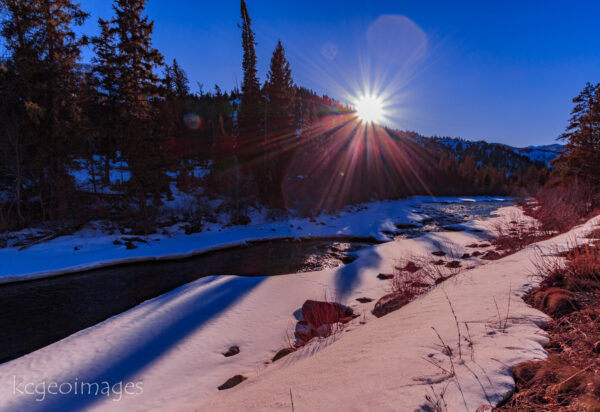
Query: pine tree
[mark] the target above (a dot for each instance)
(106, 78)
(581, 157)
(280, 130)
(137, 84)
(44, 51)
(176, 81)
(250, 115)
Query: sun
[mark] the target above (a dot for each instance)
(369, 109)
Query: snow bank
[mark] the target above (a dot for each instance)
(93, 247)
(172, 345)
(389, 363)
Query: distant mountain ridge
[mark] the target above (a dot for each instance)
(498, 154)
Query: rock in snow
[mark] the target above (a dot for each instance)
(389, 303)
(231, 382)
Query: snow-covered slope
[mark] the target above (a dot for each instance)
(542, 154)
(388, 364)
(172, 346)
(499, 154)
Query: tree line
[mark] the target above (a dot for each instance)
(132, 107)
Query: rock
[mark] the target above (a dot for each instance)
(389, 303)
(384, 276)
(117, 242)
(454, 264)
(491, 255)
(476, 253)
(465, 256)
(454, 229)
(283, 352)
(130, 245)
(473, 245)
(303, 332)
(347, 259)
(234, 350)
(439, 253)
(317, 313)
(411, 267)
(364, 300)
(231, 382)
(406, 226)
(439, 262)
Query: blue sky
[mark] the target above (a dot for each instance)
(502, 71)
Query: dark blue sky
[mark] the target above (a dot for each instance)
(500, 71)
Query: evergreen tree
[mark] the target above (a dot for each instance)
(43, 52)
(137, 84)
(106, 105)
(280, 130)
(581, 157)
(176, 81)
(249, 119)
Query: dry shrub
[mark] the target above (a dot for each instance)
(579, 271)
(416, 272)
(559, 207)
(594, 234)
(569, 379)
(554, 301)
(514, 233)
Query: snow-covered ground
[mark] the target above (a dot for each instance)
(170, 348)
(93, 246)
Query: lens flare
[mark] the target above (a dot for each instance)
(192, 121)
(369, 109)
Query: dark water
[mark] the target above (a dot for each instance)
(36, 313)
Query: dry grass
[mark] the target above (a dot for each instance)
(514, 232)
(569, 379)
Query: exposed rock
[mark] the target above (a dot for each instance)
(454, 229)
(465, 256)
(117, 242)
(389, 303)
(476, 253)
(364, 300)
(317, 313)
(303, 331)
(406, 226)
(231, 382)
(439, 253)
(130, 245)
(454, 264)
(234, 350)
(384, 276)
(491, 255)
(410, 267)
(439, 262)
(283, 352)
